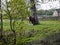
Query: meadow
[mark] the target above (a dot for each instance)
(43, 29)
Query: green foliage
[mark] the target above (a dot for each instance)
(17, 9)
(45, 12)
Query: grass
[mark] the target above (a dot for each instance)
(44, 29)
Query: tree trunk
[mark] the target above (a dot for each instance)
(11, 24)
(1, 22)
(33, 9)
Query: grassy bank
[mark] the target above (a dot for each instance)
(44, 26)
(33, 32)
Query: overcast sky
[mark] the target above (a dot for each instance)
(46, 6)
(49, 5)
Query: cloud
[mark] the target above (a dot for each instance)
(49, 5)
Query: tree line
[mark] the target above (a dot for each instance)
(45, 12)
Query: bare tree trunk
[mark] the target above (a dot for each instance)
(1, 22)
(33, 9)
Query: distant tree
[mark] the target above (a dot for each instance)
(45, 12)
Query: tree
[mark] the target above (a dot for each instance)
(16, 9)
(45, 12)
(1, 22)
(33, 9)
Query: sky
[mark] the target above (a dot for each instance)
(49, 5)
(45, 6)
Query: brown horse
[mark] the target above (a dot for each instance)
(32, 20)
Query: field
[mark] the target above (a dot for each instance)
(44, 28)
(32, 33)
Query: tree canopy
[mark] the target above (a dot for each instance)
(17, 8)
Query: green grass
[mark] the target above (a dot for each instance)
(43, 24)
(44, 29)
